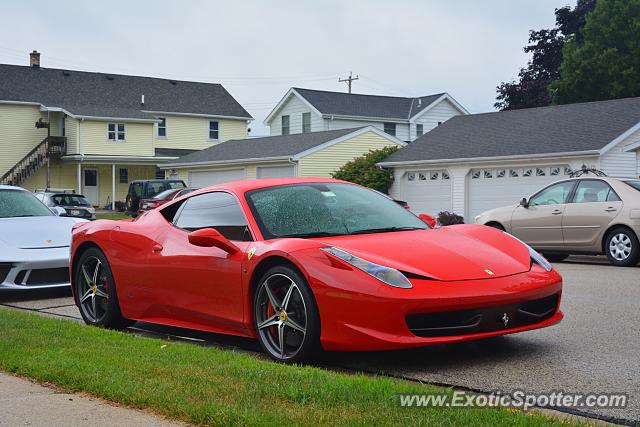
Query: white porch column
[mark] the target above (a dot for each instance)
(113, 187)
(79, 177)
(459, 191)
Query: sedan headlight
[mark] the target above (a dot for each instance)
(388, 275)
(534, 255)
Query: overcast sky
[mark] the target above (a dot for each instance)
(258, 49)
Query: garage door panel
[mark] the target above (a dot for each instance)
(427, 191)
(206, 178)
(275, 171)
(494, 188)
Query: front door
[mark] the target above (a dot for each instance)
(90, 186)
(540, 223)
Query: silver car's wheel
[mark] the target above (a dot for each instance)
(621, 247)
(93, 290)
(286, 318)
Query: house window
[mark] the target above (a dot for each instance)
(422, 176)
(214, 130)
(475, 174)
(124, 175)
(513, 173)
(419, 130)
(445, 175)
(555, 171)
(527, 172)
(540, 172)
(306, 122)
(411, 176)
(488, 174)
(434, 176)
(567, 170)
(162, 127)
(285, 125)
(390, 128)
(501, 173)
(116, 132)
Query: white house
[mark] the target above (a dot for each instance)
(306, 110)
(477, 162)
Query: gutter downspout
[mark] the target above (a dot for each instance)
(81, 152)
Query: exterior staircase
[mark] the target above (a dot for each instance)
(52, 147)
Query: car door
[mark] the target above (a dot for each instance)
(201, 285)
(540, 222)
(592, 208)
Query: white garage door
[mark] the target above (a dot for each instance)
(206, 178)
(426, 191)
(275, 171)
(493, 188)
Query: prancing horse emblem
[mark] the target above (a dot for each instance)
(505, 319)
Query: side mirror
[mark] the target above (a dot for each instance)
(57, 210)
(428, 219)
(210, 237)
(524, 202)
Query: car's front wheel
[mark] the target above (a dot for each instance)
(95, 291)
(621, 247)
(286, 316)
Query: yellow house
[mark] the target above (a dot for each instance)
(309, 154)
(95, 132)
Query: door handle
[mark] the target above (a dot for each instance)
(611, 209)
(157, 247)
(556, 212)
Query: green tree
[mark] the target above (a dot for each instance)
(606, 65)
(363, 170)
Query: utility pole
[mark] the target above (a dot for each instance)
(349, 79)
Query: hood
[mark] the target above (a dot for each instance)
(36, 232)
(459, 252)
(503, 213)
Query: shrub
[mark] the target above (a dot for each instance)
(363, 170)
(449, 218)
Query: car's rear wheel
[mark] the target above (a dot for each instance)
(95, 291)
(286, 316)
(621, 247)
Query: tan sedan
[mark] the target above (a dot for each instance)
(585, 215)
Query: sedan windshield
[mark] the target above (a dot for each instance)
(17, 203)
(331, 209)
(635, 184)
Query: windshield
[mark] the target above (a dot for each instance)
(635, 184)
(17, 203)
(156, 187)
(69, 200)
(315, 210)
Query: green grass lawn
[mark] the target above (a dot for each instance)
(217, 387)
(114, 216)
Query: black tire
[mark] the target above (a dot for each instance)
(95, 292)
(556, 257)
(298, 346)
(621, 247)
(496, 226)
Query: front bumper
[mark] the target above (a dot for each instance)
(35, 269)
(358, 313)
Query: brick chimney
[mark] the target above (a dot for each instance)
(34, 59)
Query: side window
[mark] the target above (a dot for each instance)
(555, 194)
(593, 191)
(217, 210)
(136, 189)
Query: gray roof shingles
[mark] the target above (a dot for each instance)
(374, 106)
(267, 147)
(113, 95)
(556, 129)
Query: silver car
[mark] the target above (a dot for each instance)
(34, 242)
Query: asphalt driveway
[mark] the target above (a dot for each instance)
(594, 350)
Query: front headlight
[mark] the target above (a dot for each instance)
(534, 255)
(388, 275)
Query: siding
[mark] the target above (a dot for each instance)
(294, 107)
(324, 162)
(618, 163)
(18, 134)
(402, 129)
(64, 176)
(71, 127)
(139, 139)
(441, 112)
(188, 132)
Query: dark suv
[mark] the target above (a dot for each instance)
(146, 189)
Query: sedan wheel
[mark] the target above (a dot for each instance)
(622, 247)
(95, 292)
(286, 318)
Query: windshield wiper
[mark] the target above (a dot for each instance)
(385, 230)
(310, 235)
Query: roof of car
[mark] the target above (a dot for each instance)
(244, 185)
(11, 187)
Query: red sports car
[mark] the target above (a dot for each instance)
(303, 264)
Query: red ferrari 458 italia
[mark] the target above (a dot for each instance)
(309, 264)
